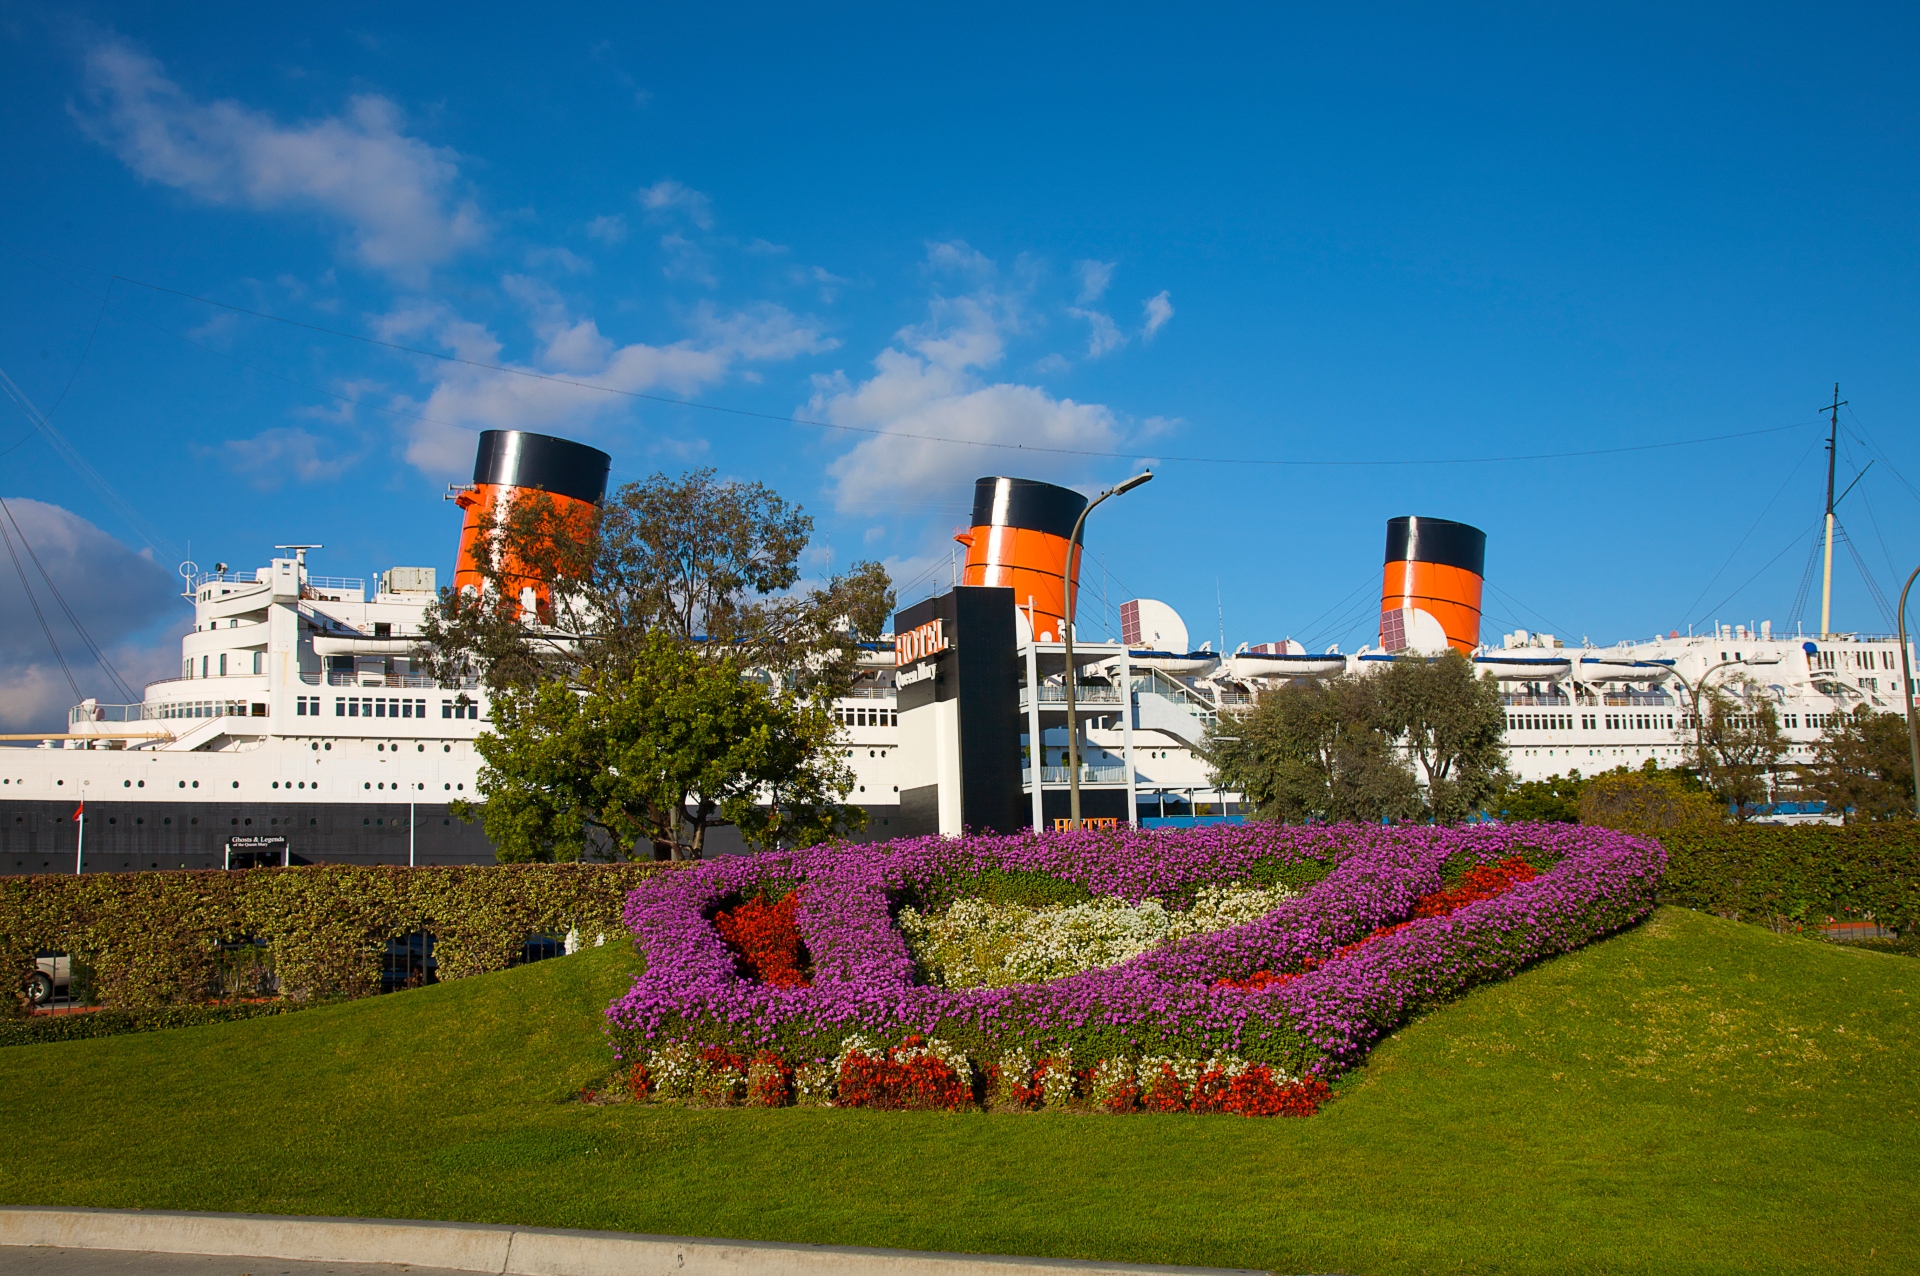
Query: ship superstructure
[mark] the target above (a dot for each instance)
(301, 727)
(297, 715)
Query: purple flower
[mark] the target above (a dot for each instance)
(864, 978)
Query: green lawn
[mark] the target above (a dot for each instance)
(1694, 1096)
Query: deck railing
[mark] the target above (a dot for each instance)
(1064, 774)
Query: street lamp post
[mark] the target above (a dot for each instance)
(1906, 693)
(1694, 693)
(1073, 726)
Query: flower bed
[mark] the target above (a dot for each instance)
(1266, 1010)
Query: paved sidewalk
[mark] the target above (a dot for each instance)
(69, 1240)
(18, 1260)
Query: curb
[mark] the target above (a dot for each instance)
(507, 1250)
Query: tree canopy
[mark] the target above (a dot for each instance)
(653, 671)
(653, 756)
(1737, 743)
(706, 562)
(1420, 738)
(1863, 767)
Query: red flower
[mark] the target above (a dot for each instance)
(891, 1082)
(1483, 881)
(769, 1081)
(1166, 1093)
(765, 939)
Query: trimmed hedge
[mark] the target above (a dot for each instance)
(111, 1023)
(178, 938)
(1787, 878)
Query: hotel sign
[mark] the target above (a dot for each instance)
(920, 642)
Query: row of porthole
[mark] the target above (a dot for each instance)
(381, 748)
(448, 787)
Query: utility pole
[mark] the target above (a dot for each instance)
(1826, 581)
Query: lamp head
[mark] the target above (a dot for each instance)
(1142, 477)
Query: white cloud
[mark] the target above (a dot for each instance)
(395, 194)
(687, 260)
(960, 258)
(610, 229)
(669, 196)
(276, 455)
(1158, 310)
(570, 262)
(820, 277)
(930, 383)
(1104, 336)
(118, 594)
(1094, 278)
(574, 348)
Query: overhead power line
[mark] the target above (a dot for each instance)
(92, 477)
(45, 628)
(99, 655)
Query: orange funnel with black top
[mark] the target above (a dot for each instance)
(1019, 540)
(509, 465)
(1430, 591)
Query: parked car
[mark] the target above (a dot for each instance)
(52, 977)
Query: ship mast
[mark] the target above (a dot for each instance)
(1826, 581)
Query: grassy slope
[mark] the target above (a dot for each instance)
(1693, 1096)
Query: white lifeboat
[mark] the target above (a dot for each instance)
(1270, 666)
(1622, 668)
(1173, 662)
(1525, 664)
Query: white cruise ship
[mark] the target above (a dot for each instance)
(298, 729)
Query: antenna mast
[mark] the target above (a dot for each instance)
(1826, 581)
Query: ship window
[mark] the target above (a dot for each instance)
(223, 664)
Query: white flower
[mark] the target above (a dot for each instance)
(975, 944)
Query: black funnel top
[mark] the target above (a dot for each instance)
(515, 458)
(1437, 540)
(1028, 503)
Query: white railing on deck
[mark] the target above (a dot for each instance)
(1083, 693)
(1064, 774)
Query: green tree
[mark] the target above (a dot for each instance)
(655, 755)
(1313, 750)
(1863, 767)
(1649, 802)
(708, 563)
(1554, 800)
(1738, 744)
(1451, 723)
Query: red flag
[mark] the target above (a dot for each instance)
(81, 810)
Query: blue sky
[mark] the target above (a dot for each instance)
(1237, 235)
